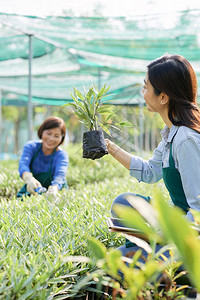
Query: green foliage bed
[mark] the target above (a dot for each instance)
(39, 233)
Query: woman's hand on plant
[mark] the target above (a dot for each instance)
(31, 183)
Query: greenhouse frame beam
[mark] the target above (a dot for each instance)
(38, 36)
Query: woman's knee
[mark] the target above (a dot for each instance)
(120, 199)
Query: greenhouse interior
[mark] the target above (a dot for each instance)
(114, 223)
(42, 59)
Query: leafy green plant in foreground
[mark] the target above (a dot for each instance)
(141, 279)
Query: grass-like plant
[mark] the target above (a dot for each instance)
(42, 242)
(90, 108)
(142, 277)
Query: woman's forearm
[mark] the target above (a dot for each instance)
(119, 154)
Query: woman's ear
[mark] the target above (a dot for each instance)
(164, 99)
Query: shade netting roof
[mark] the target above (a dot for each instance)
(81, 51)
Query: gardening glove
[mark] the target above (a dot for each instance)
(31, 183)
(52, 190)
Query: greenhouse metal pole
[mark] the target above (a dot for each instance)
(30, 108)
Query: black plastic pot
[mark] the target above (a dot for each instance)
(94, 144)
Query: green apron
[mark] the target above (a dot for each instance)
(173, 183)
(45, 178)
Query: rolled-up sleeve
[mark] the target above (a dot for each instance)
(148, 171)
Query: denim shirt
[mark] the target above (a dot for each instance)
(186, 155)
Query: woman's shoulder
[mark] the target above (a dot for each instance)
(185, 134)
(33, 144)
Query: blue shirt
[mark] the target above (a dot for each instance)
(42, 162)
(186, 155)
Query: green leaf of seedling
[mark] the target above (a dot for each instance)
(77, 103)
(104, 127)
(80, 107)
(110, 107)
(109, 117)
(107, 89)
(68, 104)
(125, 124)
(113, 126)
(87, 109)
(73, 97)
(103, 91)
(78, 93)
(89, 94)
(104, 109)
(81, 116)
(97, 248)
(95, 89)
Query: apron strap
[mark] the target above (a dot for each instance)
(171, 160)
(34, 156)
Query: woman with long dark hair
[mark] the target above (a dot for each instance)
(170, 89)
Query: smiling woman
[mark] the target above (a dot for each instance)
(51, 139)
(44, 163)
(52, 133)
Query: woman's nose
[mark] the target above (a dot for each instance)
(52, 137)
